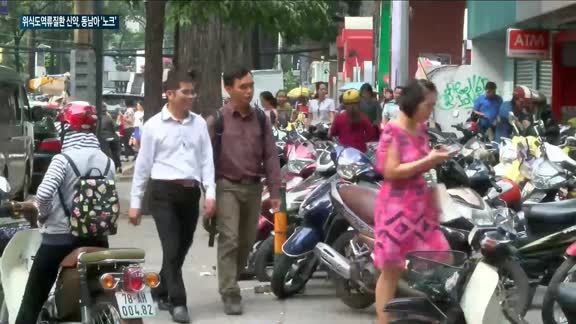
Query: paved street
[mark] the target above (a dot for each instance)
(317, 305)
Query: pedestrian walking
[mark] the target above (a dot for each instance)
(284, 108)
(405, 201)
(386, 97)
(128, 127)
(109, 140)
(352, 127)
(245, 152)
(369, 105)
(269, 105)
(391, 109)
(322, 108)
(138, 124)
(176, 154)
(487, 107)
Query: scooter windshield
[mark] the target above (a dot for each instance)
(352, 163)
(547, 175)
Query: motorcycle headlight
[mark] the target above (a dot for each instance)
(504, 217)
(481, 217)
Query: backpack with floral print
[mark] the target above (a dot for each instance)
(95, 205)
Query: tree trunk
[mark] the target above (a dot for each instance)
(153, 61)
(32, 54)
(236, 47)
(200, 49)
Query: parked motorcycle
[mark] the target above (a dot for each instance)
(350, 258)
(262, 256)
(566, 299)
(95, 285)
(458, 290)
(559, 300)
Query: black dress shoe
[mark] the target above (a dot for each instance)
(180, 314)
(164, 304)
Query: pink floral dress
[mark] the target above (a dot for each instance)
(406, 217)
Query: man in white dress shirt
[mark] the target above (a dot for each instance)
(176, 155)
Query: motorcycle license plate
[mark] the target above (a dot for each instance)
(135, 304)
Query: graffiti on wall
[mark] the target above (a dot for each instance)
(462, 94)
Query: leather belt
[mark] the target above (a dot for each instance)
(246, 180)
(185, 183)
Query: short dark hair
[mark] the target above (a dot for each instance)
(490, 86)
(319, 83)
(401, 88)
(366, 87)
(268, 96)
(234, 73)
(130, 103)
(413, 94)
(176, 76)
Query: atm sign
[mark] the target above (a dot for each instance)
(528, 44)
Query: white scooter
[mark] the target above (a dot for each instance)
(94, 285)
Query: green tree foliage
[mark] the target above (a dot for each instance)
(132, 13)
(294, 19)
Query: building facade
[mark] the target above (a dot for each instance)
(554, 74)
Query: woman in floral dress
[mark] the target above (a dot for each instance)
(406, 218)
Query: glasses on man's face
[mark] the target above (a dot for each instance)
(189, 93)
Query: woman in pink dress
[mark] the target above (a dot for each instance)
(406, 218)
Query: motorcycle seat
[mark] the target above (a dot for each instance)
(550, 217)
(360, 200)
(112, 254)
(567, 295)
(89, 255)
(71, 259)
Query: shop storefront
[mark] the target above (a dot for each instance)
(564, 75)
(536, 74)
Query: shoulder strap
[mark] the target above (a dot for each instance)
(107, 169)
(262, 121)
(218, 131)
(63, 203)
(72, 164)
(60, 194)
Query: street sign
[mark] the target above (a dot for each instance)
(528, 44)
(3, 7)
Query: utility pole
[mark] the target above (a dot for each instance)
(399, 41)
(98, 9)
(82, 58)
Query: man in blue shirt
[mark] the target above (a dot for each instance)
(486, 107)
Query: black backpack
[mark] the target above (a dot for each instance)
(219, 131)
(95, 205)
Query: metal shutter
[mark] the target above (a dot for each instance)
(525, 73)
(545, 78)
